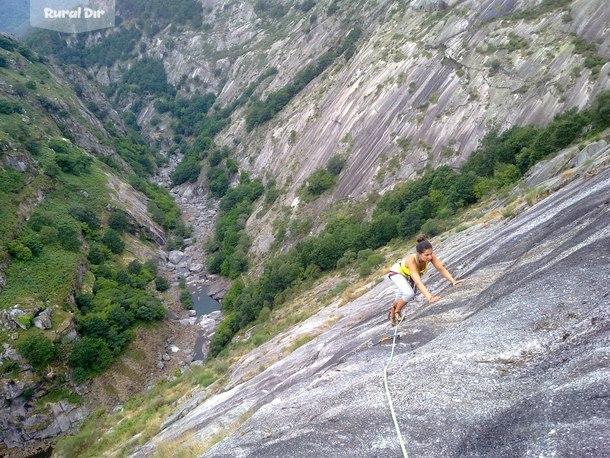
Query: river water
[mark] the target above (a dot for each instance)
(203, 304)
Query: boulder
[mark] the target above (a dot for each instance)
(11, 353)
(196, 267)
(43, 320)
(176, 256)
(70, 337)
(19, 317)
(188, 321)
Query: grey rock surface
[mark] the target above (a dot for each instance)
(16, 313)
(43, 320)
(512, 363)
(176, 256)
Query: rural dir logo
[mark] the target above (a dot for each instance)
(72, 16)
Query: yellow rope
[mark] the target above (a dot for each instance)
(387, 392)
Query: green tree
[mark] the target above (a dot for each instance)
(89, 356)
(118, 220)
(161, 283)
(36, 348)
(113, 241)
(68, 237)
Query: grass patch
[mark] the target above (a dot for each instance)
(301, 341)
(59, 394)
(27, 279)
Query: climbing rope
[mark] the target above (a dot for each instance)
(387, 392)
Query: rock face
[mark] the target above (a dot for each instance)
(427, 80)
(514, 362)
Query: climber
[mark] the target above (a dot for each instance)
(406, 275)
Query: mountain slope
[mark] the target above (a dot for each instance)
(421, 85)
(511, 363)
(78, 249)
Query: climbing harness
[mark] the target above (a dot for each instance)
(387, 390)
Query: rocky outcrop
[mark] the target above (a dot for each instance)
(135, 204)
(426, 97)
(511, 363)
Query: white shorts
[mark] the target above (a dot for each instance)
(404, 289)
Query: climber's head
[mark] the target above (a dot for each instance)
(424, 249)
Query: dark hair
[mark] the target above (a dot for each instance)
(422, 244)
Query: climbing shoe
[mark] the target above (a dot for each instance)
(394, 317)
(397, 316)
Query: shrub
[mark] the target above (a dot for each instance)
(93, 325)
(118, 221)
(113, 241)
(218, 181)
(74, 163)
(151, 310)
(187, 170)
(89, 356)
(7, 107)
(336, 164)
(19, 251)
(506, 174)
(36, 348)
(48, 235)
(318, 182)
(96, 255)
(33, 242)
(223, 335)
(68, 237)
(149, 76)
(432, 227)
(87, 216)
(161, 283)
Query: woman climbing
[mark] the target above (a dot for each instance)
(406, 275)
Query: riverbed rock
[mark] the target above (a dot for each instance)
(188, 321)
(166, 357)
(196, 267)
(175, 257)
(219, 286)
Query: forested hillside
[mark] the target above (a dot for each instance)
(78, 261)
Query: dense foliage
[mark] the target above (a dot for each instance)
(229, 248)
(76, 232)
(118, 301)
